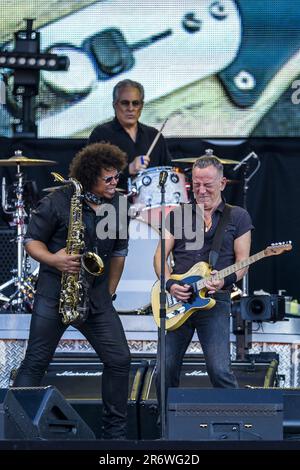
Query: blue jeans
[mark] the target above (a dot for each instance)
(213, 330)
(105, 333)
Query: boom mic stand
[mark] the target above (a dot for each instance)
(243, 328)
(162, 310)
(246, 178)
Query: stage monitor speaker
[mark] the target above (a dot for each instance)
(259, 371)
(79, 379)
(224, 414)
(41, 413)
(291, 417)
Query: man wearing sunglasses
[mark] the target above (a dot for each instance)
(133, 137)
(97, 167)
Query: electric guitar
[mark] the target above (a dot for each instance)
(178, 312)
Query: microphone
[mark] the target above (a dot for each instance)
(163, 175)
(242, 162)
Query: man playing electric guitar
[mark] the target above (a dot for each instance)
(233, 240)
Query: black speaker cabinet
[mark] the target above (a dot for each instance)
(8, 255)
(40, 413)
(79, 379)
(224, 414)
(259, 371)
(291, 418)
(3, 393)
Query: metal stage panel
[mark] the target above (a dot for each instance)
(141, 332)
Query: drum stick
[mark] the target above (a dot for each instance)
(156, 138)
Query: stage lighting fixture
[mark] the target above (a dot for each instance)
(27, 61)
(22, 60)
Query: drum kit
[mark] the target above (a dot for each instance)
(24, 277)
(133, 293)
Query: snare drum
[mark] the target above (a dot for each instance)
(147, 200)
(134, 289)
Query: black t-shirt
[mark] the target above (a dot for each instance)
(239, 223)
(115, 134)
(49, 224)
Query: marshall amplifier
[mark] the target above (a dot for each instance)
(79, 379)
(259, 371)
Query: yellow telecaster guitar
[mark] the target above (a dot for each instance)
(178, 312)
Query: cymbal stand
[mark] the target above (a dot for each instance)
(16, 300)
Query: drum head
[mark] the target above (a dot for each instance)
(134, 289)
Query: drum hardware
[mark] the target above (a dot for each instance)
(20, 300)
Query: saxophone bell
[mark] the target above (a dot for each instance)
(92, 263)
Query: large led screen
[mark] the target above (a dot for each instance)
(214, 68)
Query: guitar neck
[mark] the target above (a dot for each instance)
(233, 268)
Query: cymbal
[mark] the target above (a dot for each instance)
(54, 188)
(194, 159)
(24, 161)
(232, 181)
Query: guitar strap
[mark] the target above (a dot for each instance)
(219, 236)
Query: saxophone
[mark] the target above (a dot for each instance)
(74, 301)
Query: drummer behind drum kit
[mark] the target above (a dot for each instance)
(133, 293)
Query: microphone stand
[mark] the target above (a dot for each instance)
(247, 178)
(245, 280)
(162, 313)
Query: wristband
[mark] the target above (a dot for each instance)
(170, 283)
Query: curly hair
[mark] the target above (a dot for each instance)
(88, 163)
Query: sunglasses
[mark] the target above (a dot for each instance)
(135, 103)
(108, 179)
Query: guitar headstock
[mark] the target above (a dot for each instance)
(278, 248)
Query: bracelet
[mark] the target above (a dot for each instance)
(229, 280)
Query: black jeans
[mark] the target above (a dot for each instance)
(213, 330)
(105, 333)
